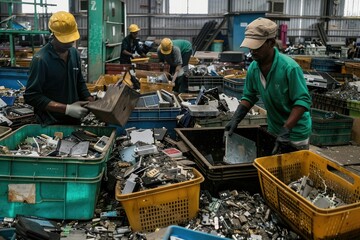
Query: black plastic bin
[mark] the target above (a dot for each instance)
(221, 176)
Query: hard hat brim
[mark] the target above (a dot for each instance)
(68, 37)
(165, 52)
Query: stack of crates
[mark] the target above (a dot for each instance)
(329, 103)
(330, 128)
(51, 187)
(196, 82)
(155, 67)
(117, 68)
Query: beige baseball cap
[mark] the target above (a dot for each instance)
(258, 31)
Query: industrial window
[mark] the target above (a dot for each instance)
(60, 6)
(188, 7)
(352, 8)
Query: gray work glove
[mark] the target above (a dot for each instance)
(239, 115)
(283, 139)
(77, 110)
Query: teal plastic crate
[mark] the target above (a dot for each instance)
(7, 233)
(354, 108)
(47, 197)
(183, 233)
(330, 128)
(330, 139)
(58, 167)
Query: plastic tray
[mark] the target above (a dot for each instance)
(187, 234)
(48, 197)
(70, 168)
(311, 222)
(162, 206)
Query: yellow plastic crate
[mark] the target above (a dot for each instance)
(162, 206)
(304, 62)
(276, 172)
(146, 86)
(353, 68)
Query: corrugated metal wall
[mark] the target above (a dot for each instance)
(301, 18)
(152, 16)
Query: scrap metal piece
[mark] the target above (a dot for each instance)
(239, 149)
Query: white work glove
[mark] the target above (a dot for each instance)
(76, 110)
(135, 55)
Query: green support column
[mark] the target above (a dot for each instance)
(95, 40)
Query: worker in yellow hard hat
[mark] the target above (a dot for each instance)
(56, 88)
(177, 54)
(130, 45)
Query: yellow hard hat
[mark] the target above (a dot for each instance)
(64, 27)
(166, 46)
(134, 28)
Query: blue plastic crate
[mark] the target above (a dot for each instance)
(188, 234)
(169, 124)
(325, 65)
(9, 77)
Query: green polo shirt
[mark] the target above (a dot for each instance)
(285, 88)
(51, 79)
(180, 47)
(184, 45)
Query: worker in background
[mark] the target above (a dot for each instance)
(280, 82)
(177, 54)
(56, 88)
(130, 46)
(351, 50)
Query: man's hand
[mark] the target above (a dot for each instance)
(135, 55)
(239, 115)
(282, 139)
(76, 110)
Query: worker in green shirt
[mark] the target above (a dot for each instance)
(177, 54)
(56, 88)
(279, 80)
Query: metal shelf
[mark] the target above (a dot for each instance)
(11, 32)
